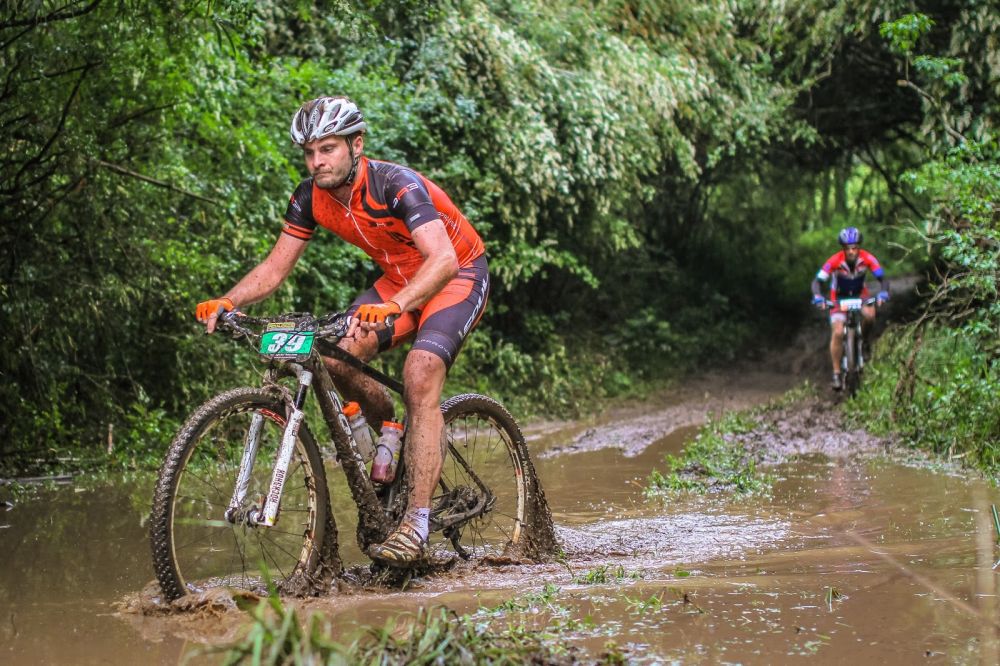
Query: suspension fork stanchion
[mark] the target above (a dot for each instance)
(269, 514)
(250, 447)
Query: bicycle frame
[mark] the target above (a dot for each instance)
(312, 372)
(245, 480)
(852, 356)
(309, 372)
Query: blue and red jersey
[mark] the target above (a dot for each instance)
(847, 281)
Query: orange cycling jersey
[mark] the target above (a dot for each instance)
(388, 202)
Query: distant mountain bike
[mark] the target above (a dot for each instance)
(244, 487)
(852, 361)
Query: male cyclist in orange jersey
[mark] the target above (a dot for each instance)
(847, 271)
(433, 290)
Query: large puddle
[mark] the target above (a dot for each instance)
(849, 559)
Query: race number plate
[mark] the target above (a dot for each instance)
(849, 304)
(282, 340)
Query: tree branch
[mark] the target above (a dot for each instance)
(952, 132)
(3, 47)
(60, 14)
(135, 115)
(62, 122)
(153, 181)
(889, 181)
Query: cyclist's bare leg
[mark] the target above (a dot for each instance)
(836, 343)
(423, 379)
(867, 321)
(376, 404)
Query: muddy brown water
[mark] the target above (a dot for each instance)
(852, 558)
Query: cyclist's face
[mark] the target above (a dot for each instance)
(851, 252)
(328, 160)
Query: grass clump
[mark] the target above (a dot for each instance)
(544, 598)
(606, 574)
(723, 455)
(717, 459)
(430, 636)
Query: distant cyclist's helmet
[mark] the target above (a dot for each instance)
(849, 236)
(326, 116)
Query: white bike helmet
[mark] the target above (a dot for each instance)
(326, 116)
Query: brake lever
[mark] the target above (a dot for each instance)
(229, 320)
(336, 328)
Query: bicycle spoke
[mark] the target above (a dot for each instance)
(277, 546)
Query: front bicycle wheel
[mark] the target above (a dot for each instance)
(488, 476)
(852, 379)
(196, 545)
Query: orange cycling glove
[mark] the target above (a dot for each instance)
(377, 313)
(215, 306)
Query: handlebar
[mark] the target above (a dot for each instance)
(828, 304)
(331, 326)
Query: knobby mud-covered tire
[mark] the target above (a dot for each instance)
(481, 432)
(850, 347)
(852, 379)
(194, 547)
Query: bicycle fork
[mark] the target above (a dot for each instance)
(267, 515)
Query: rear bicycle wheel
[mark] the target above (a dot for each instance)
(194, 546)
(486, 473)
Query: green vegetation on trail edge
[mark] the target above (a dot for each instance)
(936, 389)
(716, 460)
(720, 458)
(605, 574)
(431, 636)
(935, 381)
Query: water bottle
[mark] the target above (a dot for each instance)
(359, 428)
(387, 452)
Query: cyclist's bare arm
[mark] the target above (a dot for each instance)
(264, 278)
(439, 268)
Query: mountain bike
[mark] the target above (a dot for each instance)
(852, 361)
(242, 494)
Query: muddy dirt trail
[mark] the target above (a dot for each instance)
(858, 554)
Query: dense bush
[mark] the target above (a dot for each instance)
(937, 381)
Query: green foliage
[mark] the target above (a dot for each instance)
(717, 459)
(606, 574)
(528, 601)
(147, 162)
(904, 33)
(655, 181)
(639, 606)
(936, 381)
(940, 391)
(431, 636)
